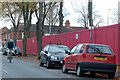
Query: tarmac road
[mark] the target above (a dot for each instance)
(20, 68)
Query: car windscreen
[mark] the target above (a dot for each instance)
(97, 49)
(58, 49)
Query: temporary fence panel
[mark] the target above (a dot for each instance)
(107, 35)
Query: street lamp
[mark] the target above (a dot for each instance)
(108, 11)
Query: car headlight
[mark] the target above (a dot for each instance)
(54, 57)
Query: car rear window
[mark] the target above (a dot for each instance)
(59, 49)
(97, 49)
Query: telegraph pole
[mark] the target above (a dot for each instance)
(50, 19)
(90, 16)
(108, 16)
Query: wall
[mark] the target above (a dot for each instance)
(4, 30)
(107, 35)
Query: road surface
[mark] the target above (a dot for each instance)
(20, 68)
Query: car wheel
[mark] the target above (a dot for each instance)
(92, 74)
(79, 71)
(111, 75)
(48, 64)
(18, 55)
(41, 64)
(64, 70)
(5, 53)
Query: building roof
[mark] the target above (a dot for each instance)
(55, 29)
(76, 28)
(4, 29)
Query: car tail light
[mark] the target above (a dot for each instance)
(84, 55)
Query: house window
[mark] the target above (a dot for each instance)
(22, 35)
(6, 36)
(47, 34)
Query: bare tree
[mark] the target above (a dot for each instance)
(41, 13)
(82, 10)
(27, 9)
(53, 15)
(13, 13)
(56, 12)
(60, 17)
(114, 17)
(83, 17)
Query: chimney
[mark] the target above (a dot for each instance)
(67, 23)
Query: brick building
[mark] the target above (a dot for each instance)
(2, 30)
(9, 34)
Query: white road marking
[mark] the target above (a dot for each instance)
(5, 71)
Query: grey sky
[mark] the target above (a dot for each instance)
(101, 5)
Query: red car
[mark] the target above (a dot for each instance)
(95, 58)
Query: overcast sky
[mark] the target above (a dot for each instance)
(100, 5)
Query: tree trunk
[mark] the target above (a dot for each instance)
(26, 25)
(25, 41)
(39, 29)
(60, 18)
(15, 35)
(30, 19)
(39, 37)
(29, 34)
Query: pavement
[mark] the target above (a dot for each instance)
(29, 57)
(117, 75)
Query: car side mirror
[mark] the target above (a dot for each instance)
(46, 52)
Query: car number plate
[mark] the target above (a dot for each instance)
(100, 58)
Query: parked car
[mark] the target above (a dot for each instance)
(95, 58)
(17, 52)
(52, 55)
(4, 51)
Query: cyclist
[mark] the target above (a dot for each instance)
(10, 45)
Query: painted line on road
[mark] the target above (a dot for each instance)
(5, 71)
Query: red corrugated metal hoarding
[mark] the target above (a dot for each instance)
(19, 44)
(32, 46)
(118, 49)
(107, 35)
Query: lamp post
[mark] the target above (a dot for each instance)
(108, 11)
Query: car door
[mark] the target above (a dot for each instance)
(75, 57)
(43, 54)
(68, 59)
(46, 53)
